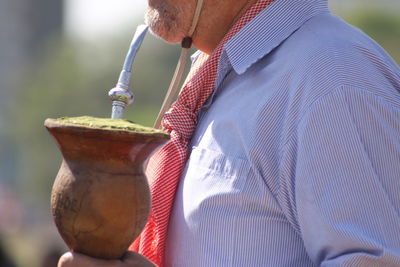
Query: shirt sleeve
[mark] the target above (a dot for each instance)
(347, 179)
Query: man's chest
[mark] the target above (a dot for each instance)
(226, 200)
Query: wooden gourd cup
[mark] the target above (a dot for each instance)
(100, 199)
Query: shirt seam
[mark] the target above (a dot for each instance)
(317, 101)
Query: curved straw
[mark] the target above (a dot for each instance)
(180, 68)
(134, 47)
(120, 95)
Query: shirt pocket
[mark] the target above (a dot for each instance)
(215, 167)
(214, 181)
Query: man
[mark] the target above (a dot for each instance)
(295, 157)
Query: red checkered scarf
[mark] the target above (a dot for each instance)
(166, 165)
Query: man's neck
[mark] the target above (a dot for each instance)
(215, 22)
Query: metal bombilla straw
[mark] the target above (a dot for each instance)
(120, 95)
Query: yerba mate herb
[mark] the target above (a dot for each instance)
(107, 123)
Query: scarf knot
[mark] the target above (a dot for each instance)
(181, 120)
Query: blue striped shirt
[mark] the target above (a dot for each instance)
(296, 157)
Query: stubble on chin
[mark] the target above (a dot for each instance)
(164, 22)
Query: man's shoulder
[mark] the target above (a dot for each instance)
(328, 31)
(328, 52)
(327, 34)
(324, 56)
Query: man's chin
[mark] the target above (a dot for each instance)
(164, 26)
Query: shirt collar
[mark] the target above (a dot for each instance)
(269, 29)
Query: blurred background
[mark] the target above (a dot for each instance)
(60, 58)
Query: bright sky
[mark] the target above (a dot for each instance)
(91, 18)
